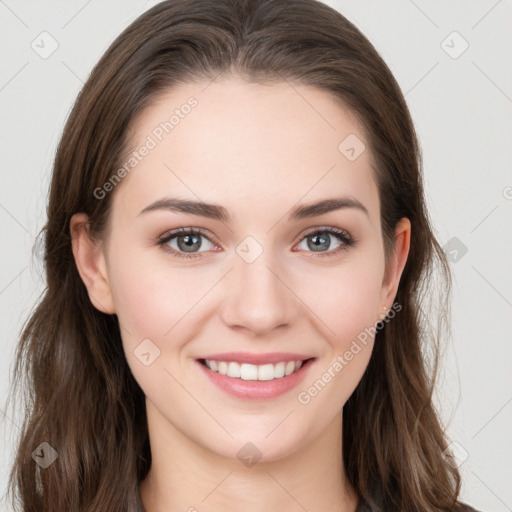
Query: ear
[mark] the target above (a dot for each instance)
(396, 264)
(90, 262)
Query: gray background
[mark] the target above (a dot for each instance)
(461, 103)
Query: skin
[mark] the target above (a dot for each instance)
(258, 150)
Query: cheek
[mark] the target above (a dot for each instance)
(154, 311)
(344, 299)
(138, 297)
(149, 297)
(348, 306)
(160, 308)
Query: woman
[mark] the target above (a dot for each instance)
(237, 254)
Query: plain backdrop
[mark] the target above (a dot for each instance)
(453, 63)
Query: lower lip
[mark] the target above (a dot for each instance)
(257, 389)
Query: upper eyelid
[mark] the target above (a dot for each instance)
(341, 231)
(172, 233)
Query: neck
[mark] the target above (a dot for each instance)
(187, 476)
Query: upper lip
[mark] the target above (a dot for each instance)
(252, 358)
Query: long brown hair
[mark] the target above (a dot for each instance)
(81, 397)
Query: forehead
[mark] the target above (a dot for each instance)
(245, 146)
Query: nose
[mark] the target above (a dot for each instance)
(257, 297)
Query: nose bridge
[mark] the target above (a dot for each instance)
(257, 297)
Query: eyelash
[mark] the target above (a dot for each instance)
(342, 235)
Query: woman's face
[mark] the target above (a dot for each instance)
(260, 283)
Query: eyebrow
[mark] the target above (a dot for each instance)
(218, 212)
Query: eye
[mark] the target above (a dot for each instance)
(184, 242)
(319, 240)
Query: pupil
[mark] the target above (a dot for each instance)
(190, 242)
(324, 241)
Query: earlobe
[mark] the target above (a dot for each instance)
(397, 263)
(91, 265)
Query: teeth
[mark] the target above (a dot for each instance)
(233, 370)
(279, 370)
(246, 371)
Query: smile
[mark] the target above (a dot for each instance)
(255, 381)
(247, 371)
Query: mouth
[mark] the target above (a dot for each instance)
(249, 381)
(255, 372)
